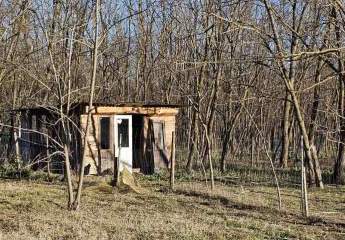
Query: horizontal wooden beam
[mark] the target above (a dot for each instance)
(135, 110)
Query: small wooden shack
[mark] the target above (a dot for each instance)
(139, 135)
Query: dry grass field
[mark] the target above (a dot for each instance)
(37, 210)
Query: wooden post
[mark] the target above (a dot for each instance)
(117, 164)
(17, 136)
(172, 164)
(116, 169)
(304, 193)
(48, 155)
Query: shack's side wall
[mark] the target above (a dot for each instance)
(169, 128)
(150, 164)
(97, 159)
(35, 140)
(24, 138)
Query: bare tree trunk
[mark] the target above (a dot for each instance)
(288, 82)
(304, 193)
(252, 151)
(209, 156)
(68, 176)
(76, 203)
(229, 132)
(309, 149)
(225, 148)
(285, 134)
(339, 165)
(172, 163)
(193, 139)
(312, 125)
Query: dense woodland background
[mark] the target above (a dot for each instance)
(252, 77)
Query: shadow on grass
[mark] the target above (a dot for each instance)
(225, 201)
(263, 213)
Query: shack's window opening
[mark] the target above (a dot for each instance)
(158, 128)
(105, 132)
(123, 132)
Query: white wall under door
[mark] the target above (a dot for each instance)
(123, 134)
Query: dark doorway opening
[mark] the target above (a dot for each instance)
(137, 128)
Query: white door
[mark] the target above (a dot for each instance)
(123, 141)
